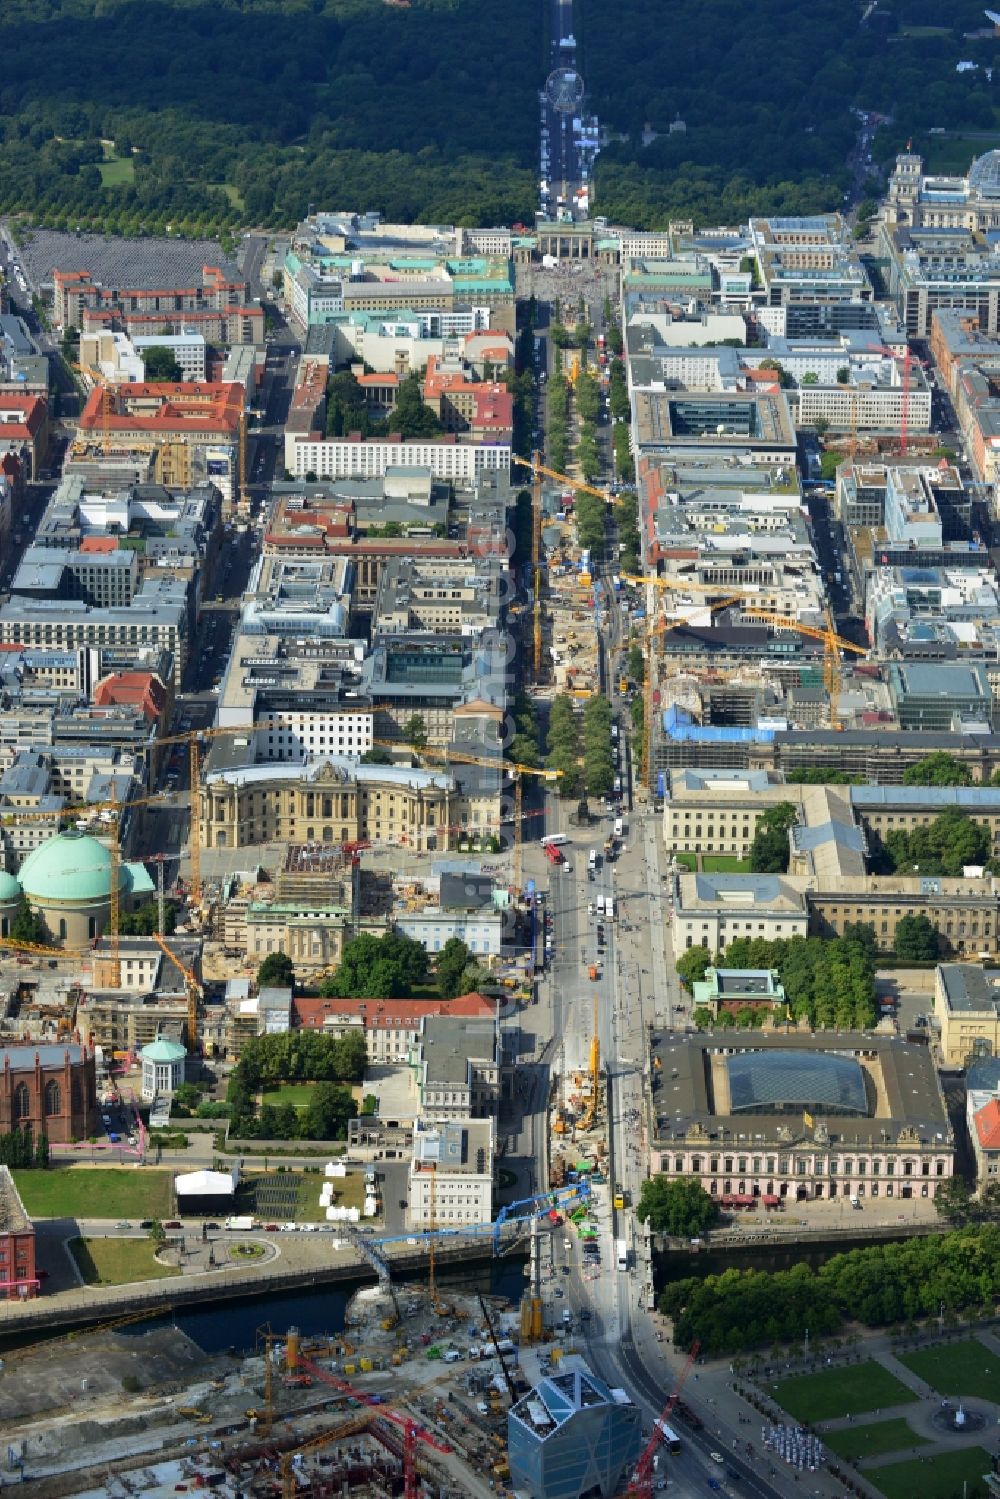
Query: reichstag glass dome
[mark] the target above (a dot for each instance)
(984, 175)
(789, 1082)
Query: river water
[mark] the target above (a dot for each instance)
(219, 1326)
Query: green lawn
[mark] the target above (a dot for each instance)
(841, 1392)
(934, 1477)
(232, 193)
(118, 1262)
(689, 861)
(967, 1368)
(853, 1442)
(81, 1192)
(350, 1190)
(724, 864)
(297, 1094)
(119, 172)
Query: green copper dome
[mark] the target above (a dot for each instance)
(10, 889)
(163, 1051)
(69, 867)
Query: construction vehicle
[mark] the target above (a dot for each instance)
(641, 1486)
(413, 1432)
(594, 1069)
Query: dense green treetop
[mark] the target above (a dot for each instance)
(247, 111)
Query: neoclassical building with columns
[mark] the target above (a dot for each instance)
(337, 800)
(799, 1116)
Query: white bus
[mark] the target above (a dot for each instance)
(668, 1437)
(621, 1254)
(555, 840)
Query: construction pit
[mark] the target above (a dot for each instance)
(116, 1412)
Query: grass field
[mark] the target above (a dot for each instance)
(119, 172)
(841, 1392)
(232, 193)
(952, 152)
(297, 1094)
(77, 1192)
(118, 1262)
(689, 861)
(724, 864)
(869, 1441)
(934, 1477)
(967, 1368)
(350, 1192)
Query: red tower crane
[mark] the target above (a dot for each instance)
(413, 1432)
(907, 360)
(642, 1483)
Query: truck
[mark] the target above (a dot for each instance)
(592, 973)
(621, 1254)
(239, 1225)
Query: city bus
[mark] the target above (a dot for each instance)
(668, 1437)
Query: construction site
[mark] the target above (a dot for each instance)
(410, 1397)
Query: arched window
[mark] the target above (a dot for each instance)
(77, 1097)
(53, 1097)
(22, 1101)
(62, 927)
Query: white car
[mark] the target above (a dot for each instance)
(717, 1457)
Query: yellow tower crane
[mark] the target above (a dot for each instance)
(832, 643)
(594, 1068)
(441, 1307)
(660, 627)
(506, 767)
(552, 473)
(195, 992)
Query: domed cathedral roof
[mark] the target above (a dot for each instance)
(70, 867)
(984, 175)
(10, 889)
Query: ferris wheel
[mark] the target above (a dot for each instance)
(564, 90)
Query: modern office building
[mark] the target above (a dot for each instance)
(572, 1435)
(450, 1180)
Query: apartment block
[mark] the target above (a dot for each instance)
(214, 307)
(366, 458)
